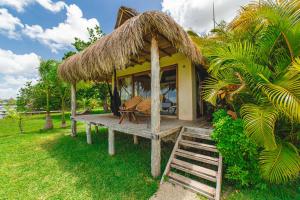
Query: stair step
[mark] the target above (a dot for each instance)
(198, 187)
(198, 145)
(203, 131)
(195, 173)
(197, 157)
(197, 135)
(195, 168)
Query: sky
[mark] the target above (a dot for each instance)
(32, 30)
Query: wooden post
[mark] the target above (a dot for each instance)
(111, 142)
(96, 129)
(135, 139)
(73, 110)
(155, 108)
(155, 86)
(88, 133)
(155, 157)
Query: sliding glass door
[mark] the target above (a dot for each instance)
(140, 85)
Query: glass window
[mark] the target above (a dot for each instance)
(125, 87)
(142, 85)
(168, 92)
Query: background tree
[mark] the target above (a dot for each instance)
(15, 115)
(48, 75)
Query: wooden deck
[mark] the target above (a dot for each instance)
(142, 128)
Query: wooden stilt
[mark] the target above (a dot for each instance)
(111, 142)
(96, 129)
(73, 110)
(155, 157)
(88, 133)
(135, 139)
(155, 108)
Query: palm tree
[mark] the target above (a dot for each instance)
(47, 71)
(255, 67)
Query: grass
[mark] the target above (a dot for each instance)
(51, 165)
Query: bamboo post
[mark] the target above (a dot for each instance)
(88, 133)
(73, 110)
(135, 139)
(155, 108)
(96, 129)
(111, 142)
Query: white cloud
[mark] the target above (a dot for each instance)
(13, 64)
(20, 5)
(15, 71)
(198, 15)
(61, 36)
(9, 24)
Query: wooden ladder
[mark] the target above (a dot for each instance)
(195, 163)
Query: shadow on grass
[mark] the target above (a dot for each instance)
(123, 176)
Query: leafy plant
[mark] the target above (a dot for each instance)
(239, 152)
(15, 115)
(255, 68)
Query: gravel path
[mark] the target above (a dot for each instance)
(167, 191)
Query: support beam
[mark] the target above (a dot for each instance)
(155, 157)
(155, 86)
(88, 133)
(111, 142)
(135, 139)
(96, 129)
(160, 49)
(155, 107)
(73, 110)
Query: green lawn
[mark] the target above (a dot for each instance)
(52, 165)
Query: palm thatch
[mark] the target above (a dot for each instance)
(117, 49)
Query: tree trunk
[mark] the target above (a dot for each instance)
(63, 117)
(49, 123)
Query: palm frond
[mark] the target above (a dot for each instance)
(283, 99)
(281, 164)
(211, 88)
(259, 124)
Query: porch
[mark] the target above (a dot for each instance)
(168, 125)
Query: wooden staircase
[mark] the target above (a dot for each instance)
(195, 163)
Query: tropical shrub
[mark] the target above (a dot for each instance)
(240, 154)
(255, 68)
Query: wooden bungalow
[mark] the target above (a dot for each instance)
(153, 56)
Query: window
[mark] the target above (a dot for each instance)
(168, 92)
(125, 88)
(140, 85)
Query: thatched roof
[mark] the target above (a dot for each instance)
(124, 14)
(127, 45)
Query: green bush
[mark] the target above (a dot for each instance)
(240, 155)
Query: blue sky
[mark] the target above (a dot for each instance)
(31, 30)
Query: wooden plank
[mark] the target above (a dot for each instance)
(172, 156)
(155, 86)
(199, 136)
(219, 179)
(88, 133)
(155, 157)
(194, 184)
(73, 110)
(195, 173)
(111, 142)
(198, 145)
(195, 167)
(199, 130)
(197, 157)
(191, 189)
(135, 139)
